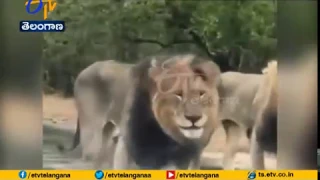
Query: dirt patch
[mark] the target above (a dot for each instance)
(59, 108)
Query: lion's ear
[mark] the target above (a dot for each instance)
(155, 70)
(209, 71)
(154, 73)
(144, 74)
(140, 74)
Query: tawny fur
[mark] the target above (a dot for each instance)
(271, 78)
(237, 112)
(264, 134)
(99, 93)
(243, 96)
(295, 134)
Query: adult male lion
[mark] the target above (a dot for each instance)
(172, 113)
(99, 92)
(237, 112)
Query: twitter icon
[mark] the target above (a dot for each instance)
(99, 174)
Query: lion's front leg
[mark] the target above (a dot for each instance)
(195, 163)
(256, 153)
(109, 142)
(121, 157)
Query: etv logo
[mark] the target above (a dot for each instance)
(49, 5)
(42, 26)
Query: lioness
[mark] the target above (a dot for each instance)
(171, 114)
(296, 129)
(99, 92)
(237, 113)
(264, 134)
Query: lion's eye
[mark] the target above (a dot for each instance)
(202, 93)
(179, 95)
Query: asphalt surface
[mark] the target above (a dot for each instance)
(62, 132)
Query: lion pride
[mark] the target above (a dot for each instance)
(158, 114)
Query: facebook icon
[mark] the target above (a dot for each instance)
(22, 174)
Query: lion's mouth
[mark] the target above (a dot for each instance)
(192, 132)
(190, 127)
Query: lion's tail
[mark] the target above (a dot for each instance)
(76, 140)
(271, 80)
(271, 72)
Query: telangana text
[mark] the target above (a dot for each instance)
(41, 26)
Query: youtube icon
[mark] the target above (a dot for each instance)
(171, 174)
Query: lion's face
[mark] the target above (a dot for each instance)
(185, 99)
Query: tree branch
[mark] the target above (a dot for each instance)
(161, 44)
(201, 43)
(151, 41)
(182, 21)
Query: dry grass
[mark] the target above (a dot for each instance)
(58, 108)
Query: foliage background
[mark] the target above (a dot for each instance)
(239, 35)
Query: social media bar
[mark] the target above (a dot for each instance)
(156, 174)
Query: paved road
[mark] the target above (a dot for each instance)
(63, 132)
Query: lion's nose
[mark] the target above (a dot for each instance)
(193, 118)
